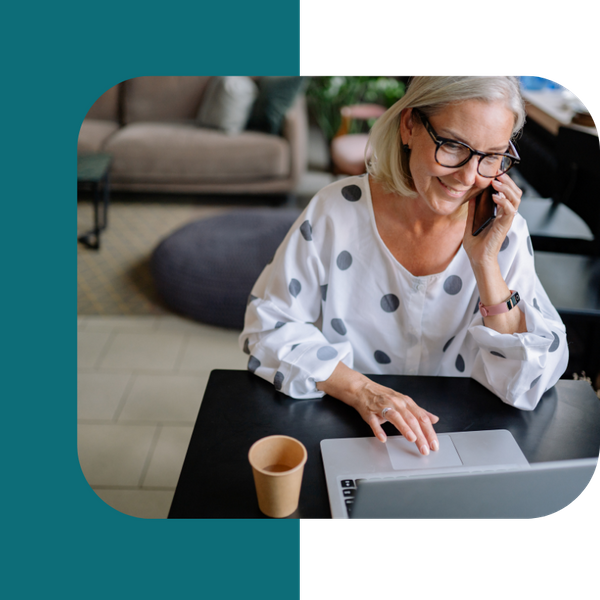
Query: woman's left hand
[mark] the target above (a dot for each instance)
(484, 248)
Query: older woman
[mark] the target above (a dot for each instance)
(382, 274)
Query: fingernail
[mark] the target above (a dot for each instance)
(424, 450)
(381, 437)
(435, 446)
(497, 181)
(412, 437)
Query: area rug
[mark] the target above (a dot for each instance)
(116, 279)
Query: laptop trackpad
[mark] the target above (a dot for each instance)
(404, 454)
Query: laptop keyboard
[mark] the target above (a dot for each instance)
(348, 491)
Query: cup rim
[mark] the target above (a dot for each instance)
(299, 466)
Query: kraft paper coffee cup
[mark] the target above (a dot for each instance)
(277, 464)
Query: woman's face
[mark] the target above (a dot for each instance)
(485, 126)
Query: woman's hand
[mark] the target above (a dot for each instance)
(370, 398)
(483, 249)
(413, 422)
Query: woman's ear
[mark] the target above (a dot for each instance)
(407, 124)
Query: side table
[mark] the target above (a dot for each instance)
(94, 170)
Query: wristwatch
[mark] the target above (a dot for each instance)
(503, 307)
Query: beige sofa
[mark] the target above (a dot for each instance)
(148, 125)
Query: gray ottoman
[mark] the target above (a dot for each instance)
(206, 269)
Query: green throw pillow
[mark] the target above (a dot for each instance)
(276, 96)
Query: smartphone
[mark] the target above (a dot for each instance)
(485, 210)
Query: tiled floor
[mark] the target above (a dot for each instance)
(140, 384)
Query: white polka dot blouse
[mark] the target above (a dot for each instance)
(334, 292)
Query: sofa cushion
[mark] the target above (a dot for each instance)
(93, 135)
(163, 98)
(227, 104)
(165, 152)
(276, 96)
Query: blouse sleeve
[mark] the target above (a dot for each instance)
(520, 367)
(281, 333)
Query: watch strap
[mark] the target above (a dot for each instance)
(503, 307)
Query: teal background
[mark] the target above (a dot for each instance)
(58, 59)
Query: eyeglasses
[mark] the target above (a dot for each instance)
(452, 153)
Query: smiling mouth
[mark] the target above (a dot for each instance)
(453, 192)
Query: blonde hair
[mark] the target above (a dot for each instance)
(389, 162)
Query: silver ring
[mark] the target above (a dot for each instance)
(384, 411)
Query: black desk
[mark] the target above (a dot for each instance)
(239, 408)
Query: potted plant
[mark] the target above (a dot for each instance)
(327, 95)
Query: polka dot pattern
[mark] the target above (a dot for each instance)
(344, 260)
(368, 290)
(477, 305)
(352, 193)
(326, 353)
(447, 344)
(534, 382)
(555, 344)
(278, 380)
(529, 245)
(338, 326)
(390, 303)
(453, 285)
(306, 231)
(382, 358)
(295, 288)
(253, 364)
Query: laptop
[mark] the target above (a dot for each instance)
(475, 474)
(526, 493)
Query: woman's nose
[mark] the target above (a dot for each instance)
(467, 174)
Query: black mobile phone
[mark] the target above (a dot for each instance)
(485, 210)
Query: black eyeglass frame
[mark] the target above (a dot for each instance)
(438, 140)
